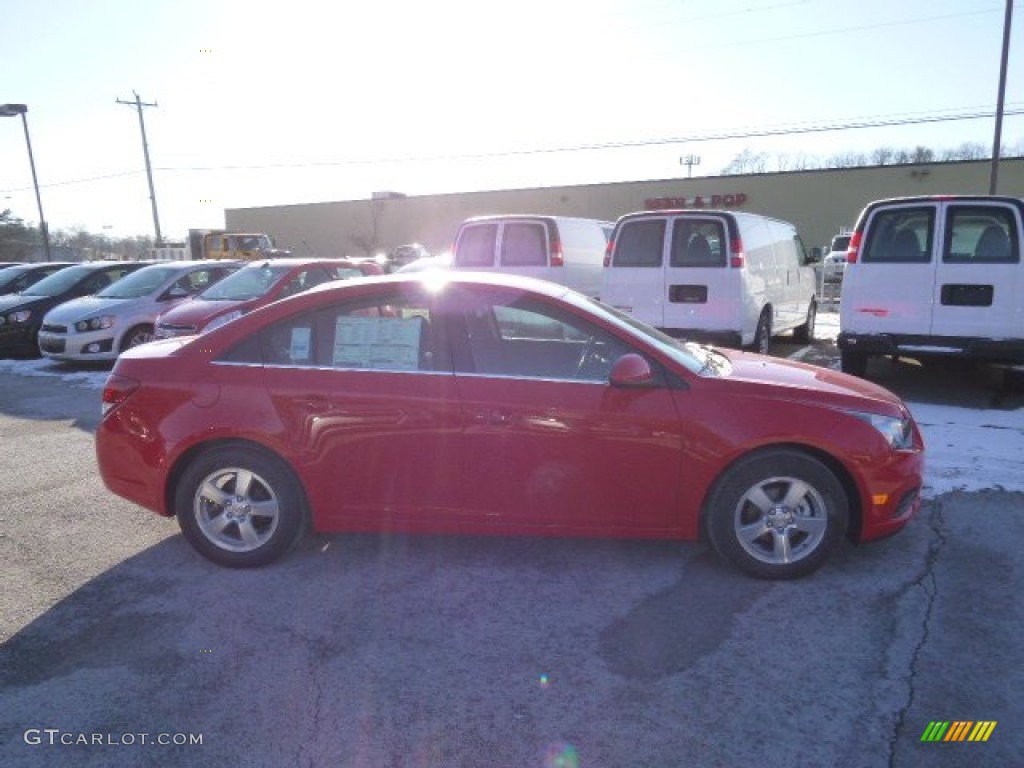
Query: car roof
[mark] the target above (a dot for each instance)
(458, 277)
(293, 262)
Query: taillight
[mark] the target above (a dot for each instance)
(608, 253)
(737, 254)
(853, 250)
(557, 260)
(116, 391)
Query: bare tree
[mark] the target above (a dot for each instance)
(746, 161)
(882, 155)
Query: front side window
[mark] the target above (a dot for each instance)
(900, 236)
(524, 244)
(524, 338)
(980, 235)
(639, 244)
(698, 243)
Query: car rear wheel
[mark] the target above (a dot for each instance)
(777, 514)
(853, 363)
(239, 507)
(140, 334)
(763, 334)
(804, 334)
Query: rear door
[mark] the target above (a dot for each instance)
(978, 290)
(634, 280)
(891, 286)
(701, 290)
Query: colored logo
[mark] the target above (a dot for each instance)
(958, 730)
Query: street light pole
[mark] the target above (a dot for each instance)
(10, 110)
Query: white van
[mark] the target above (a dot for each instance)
(560, 249)
(722, 276)
(928, 276)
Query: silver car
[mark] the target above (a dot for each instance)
(121, 316)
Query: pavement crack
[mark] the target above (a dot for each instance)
(928, 584)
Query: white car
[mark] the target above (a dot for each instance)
(121, 316)
(833, 266)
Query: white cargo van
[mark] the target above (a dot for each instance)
(728, 277)
(934, 276)
(561, 249)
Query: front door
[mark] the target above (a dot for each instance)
(548, 443)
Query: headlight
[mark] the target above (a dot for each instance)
(897, 431)
(21, 316)
(94, 324)
(217, 322)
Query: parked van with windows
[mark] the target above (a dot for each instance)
(564, 250)
(929, 276)
(723, 276)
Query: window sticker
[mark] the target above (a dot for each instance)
(378, 343)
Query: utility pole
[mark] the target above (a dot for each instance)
(139, 104)
(993, 180)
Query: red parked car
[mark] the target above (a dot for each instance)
(254, 286)
(453, 402)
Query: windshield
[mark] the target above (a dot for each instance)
(142, 283)
(59, 282)
(247, 283)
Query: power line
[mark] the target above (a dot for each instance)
(746, 133)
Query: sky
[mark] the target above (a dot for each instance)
(260, 103)
(967, 449)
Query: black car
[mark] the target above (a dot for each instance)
(17, 278)
(21, 314)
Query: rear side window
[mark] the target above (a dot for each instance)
(900, 236)
(475, 247)
(980, 235)
(524, 244)
(697, 243)
(640, 243)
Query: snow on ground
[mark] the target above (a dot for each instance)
(967, 448)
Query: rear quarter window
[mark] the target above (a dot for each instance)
(981, 235)
(639, 244)
(524, 244)
(698, 243)
(475, 247)
(900, 236)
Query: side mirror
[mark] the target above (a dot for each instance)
(632, 371)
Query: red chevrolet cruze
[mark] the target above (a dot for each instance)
(452, 402)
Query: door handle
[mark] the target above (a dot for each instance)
(495, 417)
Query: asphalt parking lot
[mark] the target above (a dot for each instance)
(121, 646)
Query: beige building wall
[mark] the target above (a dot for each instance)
(819, 203)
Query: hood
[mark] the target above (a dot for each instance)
(797, 380)
(79, 309)
(19, 300)
(197, 312)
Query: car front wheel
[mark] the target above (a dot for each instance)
(239, 507)
(777, 514)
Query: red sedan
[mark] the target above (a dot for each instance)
(453, 402)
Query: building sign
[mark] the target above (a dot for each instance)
(696, 201)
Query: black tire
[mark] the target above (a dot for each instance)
(804, 334)
(763, 334)
(777, 514)
(140, 334)
(853, 363)
(215, 501)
